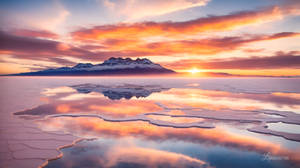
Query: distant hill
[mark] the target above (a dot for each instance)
(112, 66)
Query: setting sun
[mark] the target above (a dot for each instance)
(194, 70)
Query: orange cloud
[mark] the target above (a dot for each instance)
(204, 46)
(175, 29)
(249, 50)
(138, 47)
(280, 60)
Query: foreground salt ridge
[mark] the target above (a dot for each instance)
(22, 143)
(60, 155)
(28, 146)
(32, 147)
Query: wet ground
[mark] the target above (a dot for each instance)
(150, 122)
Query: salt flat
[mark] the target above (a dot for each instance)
(42, 115)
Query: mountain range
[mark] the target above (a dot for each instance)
(112, 66)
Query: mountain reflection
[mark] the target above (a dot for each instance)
(126, 91)
(125, 100)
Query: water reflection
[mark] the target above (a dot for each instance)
(289, 128)
(176, 107)
(195, 97)
(152, 114)
(66, 100)
(154, 135)
(216, 100)
(116, 154)
(92, 127)
(118, 92)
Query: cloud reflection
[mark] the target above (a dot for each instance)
(94, 127)
(151, 158)
(118, 154)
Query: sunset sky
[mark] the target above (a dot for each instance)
(240, 37)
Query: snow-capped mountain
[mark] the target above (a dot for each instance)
(112, 66)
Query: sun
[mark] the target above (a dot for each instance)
(194, 70)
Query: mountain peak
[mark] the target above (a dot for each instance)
(126, 61)
(83, 65)
(144, 61)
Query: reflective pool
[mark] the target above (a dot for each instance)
(141, 122)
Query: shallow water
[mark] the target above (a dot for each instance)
(153, 122)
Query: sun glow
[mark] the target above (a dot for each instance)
(194, 70)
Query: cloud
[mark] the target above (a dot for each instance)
(249, 50)
(18, 43)
(42, 49)
(136, 9)
(195, 46)
(33, 48)
(280, 60)
(45, 15)
(51, 21)
(35, 33)
(24, 53)
(175, 29)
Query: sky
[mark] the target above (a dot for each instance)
(212, 37)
